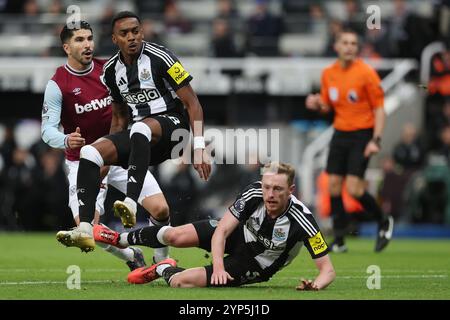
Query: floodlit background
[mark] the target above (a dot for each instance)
(253, 64)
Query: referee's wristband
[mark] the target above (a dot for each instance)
(199, 142)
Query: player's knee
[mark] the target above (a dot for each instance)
(141, 128)
(173, 237)
(160, 211)
(90, 153)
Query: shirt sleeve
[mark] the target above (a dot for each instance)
(374, 90)
(171, 68)
(247, 201)
(312, 237)
(51, 117)
(324, 90)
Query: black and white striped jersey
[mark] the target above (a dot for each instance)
(148, 86)
(274, 243)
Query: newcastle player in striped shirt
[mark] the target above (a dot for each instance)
(150, 87)
(262, 232)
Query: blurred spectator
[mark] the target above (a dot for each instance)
(221, 189)
(7, 147)
(150, 33)
(334, 28)
(223, 45)
(317, 23)
(444, 149)
(226, 10)
(20, 191)
(440, 73)
(391, 189)
(174, 21)
(264, 30)
(379, 41)
(181, 193)
(150, 8)
(408, 153)
(104, 46)
(31, 8)
(408, 33)
(355, 17)
(368, 51)
(50, 186)
(12, 6)
(56, 7)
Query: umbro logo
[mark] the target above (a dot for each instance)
(76, 91)
(80, 203)
(122, 81)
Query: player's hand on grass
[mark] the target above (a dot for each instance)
(220, 277)
(75, 140)
(307, 285)
(202, 163)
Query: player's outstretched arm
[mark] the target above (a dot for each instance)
(325, 277)
(226, 225)
(201, 160)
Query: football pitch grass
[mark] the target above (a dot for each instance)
(34, 266)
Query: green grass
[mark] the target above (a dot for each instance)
(33, 266)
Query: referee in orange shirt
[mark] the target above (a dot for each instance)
(353, 90)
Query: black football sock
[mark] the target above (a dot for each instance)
(145, 237)
(340, 219)
(169, 272)
(88, 186)
(371, 206)
(137, 164)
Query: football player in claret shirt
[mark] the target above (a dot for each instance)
(353, 90)
(77, 99)
(262, 232)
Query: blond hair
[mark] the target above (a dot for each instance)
(280, 168)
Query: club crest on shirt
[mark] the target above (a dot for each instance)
(279, 234)
(145, 75)
(352, 96)
(333, 93)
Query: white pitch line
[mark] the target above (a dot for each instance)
(423, 276)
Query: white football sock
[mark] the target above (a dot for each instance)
(160, 269)
(123, 239)
(86, 227)
(124, 254)
(159, 254)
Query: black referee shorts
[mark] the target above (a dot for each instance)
(346, 156)
(238, 263)
(162, 150)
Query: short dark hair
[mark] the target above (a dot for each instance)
(123, 15)
(67, 32)
(347, 30)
